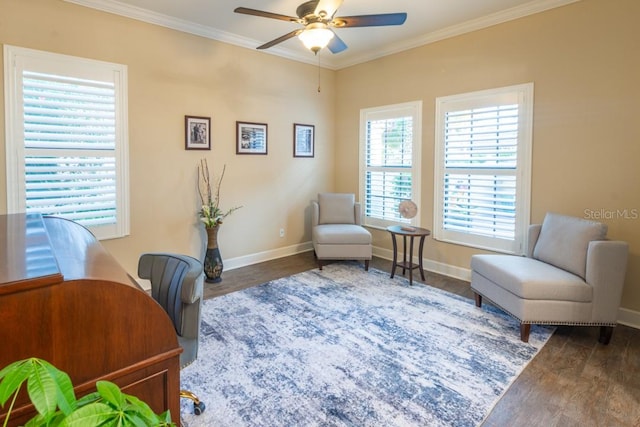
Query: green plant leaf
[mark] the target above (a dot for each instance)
(12, 376)
(138, 413)
(134, 419)
(165, 419)
(65, 396)
(140, 407)
(36, 421)
(111, 393)
(94, 414)
(50, 421)
(42, 389)
(88, 399)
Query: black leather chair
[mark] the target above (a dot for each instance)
(177, 285)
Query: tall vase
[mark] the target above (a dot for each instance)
(212, 259)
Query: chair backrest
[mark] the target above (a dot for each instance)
(337, 208)
(177, 285)
(563, 241)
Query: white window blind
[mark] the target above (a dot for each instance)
(483, 150)
(68, 127)
(389, 161)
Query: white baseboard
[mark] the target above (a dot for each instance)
(434, 266)
(626, 316)
(629, 318)
(243, 261)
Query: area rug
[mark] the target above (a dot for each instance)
(346, 347)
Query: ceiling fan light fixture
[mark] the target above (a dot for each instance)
(316, 36)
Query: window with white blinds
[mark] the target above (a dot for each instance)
(483, 155)
(389, 161)
(67, 139)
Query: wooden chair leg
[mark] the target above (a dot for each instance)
(525, 329)
(366, 265)
(478, 299)
(605, 334)
(319, 264)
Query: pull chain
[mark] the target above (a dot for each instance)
(318, 71)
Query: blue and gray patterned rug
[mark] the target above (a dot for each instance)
(345, 347)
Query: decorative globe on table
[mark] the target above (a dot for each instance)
(211, 215)
(408, 209)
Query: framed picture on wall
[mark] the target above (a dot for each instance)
(197, 133)
(303, 140)
(251, 138)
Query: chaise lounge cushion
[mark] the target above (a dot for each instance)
(564, 240)
(531, 279)
(341, 234)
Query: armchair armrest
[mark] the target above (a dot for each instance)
(606, 269)
(315, 213)
(534, 233)
(193, 285)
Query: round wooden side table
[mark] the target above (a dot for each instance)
(407, 264)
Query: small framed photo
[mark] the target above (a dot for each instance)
(197, 133)
(251, 138)
(303, 140)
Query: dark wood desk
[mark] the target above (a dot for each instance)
(407, 264)
(65, 299)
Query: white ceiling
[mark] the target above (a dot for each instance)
(427, 21)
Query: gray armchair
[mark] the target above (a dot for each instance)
(336, 232)
(571, 275)
(177, 285)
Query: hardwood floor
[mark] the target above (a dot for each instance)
(573, 381)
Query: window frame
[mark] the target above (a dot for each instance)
(387, 112)
(523, 93)
(16, 61)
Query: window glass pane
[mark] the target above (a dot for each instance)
(480, 204)
(78, 188)
(484, 137)
(385, 191)
(389, 142)
(477, 139)
(62, 112)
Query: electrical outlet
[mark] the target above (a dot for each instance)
(282, 232)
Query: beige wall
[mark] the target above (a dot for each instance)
(584, 60)
(173, 74)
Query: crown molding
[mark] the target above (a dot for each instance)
(117, 8)
(531, 8)
(333, 63)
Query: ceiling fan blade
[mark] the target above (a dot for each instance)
(327, 7)
(281, 39)
(370, 20)
(336, 44)
(254, 12)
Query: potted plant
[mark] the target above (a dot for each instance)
(51, 393)
(211, 216)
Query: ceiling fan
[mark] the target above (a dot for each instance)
(317, 18)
